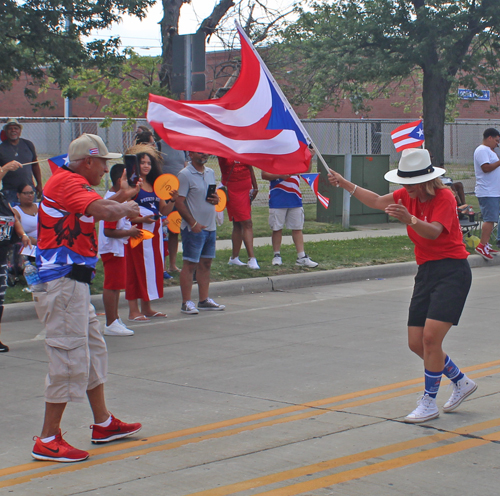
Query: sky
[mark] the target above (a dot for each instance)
(144, 36)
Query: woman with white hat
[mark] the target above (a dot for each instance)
(444, 277)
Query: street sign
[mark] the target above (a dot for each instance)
(188, 63)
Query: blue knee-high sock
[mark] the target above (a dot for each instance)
(451, 370)
(432, 382)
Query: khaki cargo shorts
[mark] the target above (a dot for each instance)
(78, 358)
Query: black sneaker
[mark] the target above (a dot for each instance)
(3, 348)
(210, 304)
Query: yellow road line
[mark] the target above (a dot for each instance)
(376, 468)
(345, 460)
(109, 449)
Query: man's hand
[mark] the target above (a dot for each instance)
(213, 199)
(129, 191)
(198, 228)
(39, 191)
(11, 166)
(131, 209)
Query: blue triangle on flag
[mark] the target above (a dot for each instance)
(281, 117)
(418, 132)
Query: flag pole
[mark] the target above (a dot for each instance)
(283, 97)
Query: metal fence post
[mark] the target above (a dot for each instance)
(346, 203)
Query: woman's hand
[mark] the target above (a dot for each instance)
(174, 195)
(399, 211)
(335, 179)
(25, 240)
(148, 219)
(254, 192)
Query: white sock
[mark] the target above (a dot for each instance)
(277, 253)
(301, 254)
(105, 424)
(48, 439)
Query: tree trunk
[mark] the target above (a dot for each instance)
(434, 93)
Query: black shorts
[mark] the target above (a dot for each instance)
(441, 288)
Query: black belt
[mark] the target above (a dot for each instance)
(81, 273)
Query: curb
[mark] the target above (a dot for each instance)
(14, 312)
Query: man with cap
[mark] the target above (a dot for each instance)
(14, 153)
(66, 258)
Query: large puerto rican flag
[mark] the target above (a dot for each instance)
(252, 123)
(409, 135)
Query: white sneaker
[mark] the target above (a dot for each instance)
(461, 390)
(252, 264)
(426, 410)
(277, 260)
(116, 329)
(305, 261)
(189, 307)
(236, 261)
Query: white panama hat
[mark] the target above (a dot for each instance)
(414, 167)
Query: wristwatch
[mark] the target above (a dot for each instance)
(413, 220)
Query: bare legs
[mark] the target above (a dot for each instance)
(54, 412)
(297, 236)
(242, 233)
(486, 231)
(427, 343)
(111, 299)
(202, 276)
(173, 245)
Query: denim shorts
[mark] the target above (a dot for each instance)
(197, 245)
(490, 208)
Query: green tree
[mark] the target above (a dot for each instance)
(121, 88)
(360, 49)
(42, 38)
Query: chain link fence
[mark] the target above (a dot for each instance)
(52, 136)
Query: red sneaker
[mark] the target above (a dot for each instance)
(483, 251)
(492, 250)
(116, 430)
(57, 450)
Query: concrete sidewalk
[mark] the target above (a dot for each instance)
(25, 311)
(368, 231)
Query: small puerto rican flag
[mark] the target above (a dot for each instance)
(59, 161)
(313, 180)
(94, 151)
(409, 135)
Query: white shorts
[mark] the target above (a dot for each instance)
(293, 218)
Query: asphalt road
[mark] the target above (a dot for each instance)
(298, 391)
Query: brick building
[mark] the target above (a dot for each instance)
(14, 103)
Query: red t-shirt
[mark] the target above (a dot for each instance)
(62, 221)
(443, 209)
(233, 171)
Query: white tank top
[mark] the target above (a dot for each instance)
(29, 222)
